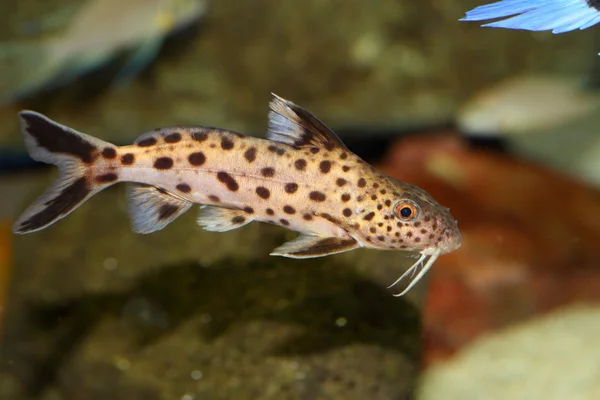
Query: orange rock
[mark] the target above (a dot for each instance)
(531, 238)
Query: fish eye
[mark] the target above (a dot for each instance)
(406, 210)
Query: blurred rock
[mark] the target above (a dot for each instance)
(555, 357)
(352, 63)
(530, 239)
(548, 119)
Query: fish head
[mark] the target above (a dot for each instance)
(411, 220)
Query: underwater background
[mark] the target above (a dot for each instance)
(498, 125)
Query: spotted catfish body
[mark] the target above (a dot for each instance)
(302, 178)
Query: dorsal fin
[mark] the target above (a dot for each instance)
(293, 125)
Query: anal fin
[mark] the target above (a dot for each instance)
(305, 246)
(153, 208)
(219, 219)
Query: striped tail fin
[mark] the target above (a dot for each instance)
(73, 153)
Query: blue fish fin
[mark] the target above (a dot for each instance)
(139, 58)
(559, 16)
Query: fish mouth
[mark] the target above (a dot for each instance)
(421, 266)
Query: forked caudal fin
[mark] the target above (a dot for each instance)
(73, 153)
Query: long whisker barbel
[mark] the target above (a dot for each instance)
(410, 272)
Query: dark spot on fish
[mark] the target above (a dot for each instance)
(383, 191)
(340, 182)
(307, 217)
(214, 198)
(238, 219)
(150, 141)
(106, 178)
(228, 181)
(325, 166)
(389, 228)
(270, 211)
(423, 231)
(250, 154)
(375, 185)
(127, 159)
(417, 224)
(388, 202)
(345, 168)
(347, 212)
(284, 222)
(173, 137)
(163, 163)
(248, 210)
(409, 234)
(417, 239)
(372, 229)
(380, 224)
(166, 211)
(343, 156)
(374, 197)
(276, 149)
(362, 182)
(57, 139)
(289, 210)
(331, 218)
(427, 218)
(360, 198)
(183, 187)
(109, 153)
(200, 136)
(397, 234)
(403, 246)
(316, 196)
(381, 238)
(291, 187)
(369, 216)
(197, 158)
(300, 164)
(267, 172)
(345, 197)
(431, 236)
(379, 207)
(263, 192)
(226, 143)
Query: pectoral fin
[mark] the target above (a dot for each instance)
(219, 219)
(305, 246)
